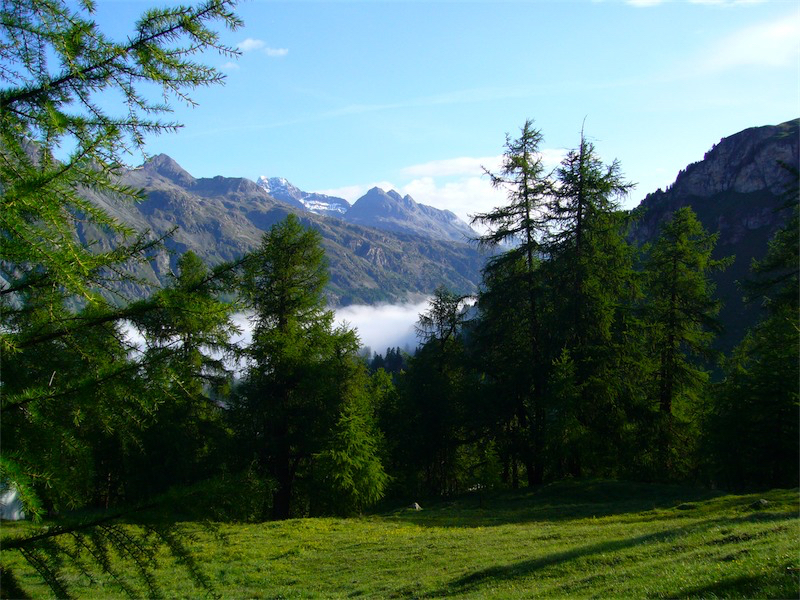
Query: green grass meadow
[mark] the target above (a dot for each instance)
(570, 539)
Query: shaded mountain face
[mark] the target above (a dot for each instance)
(222, 218)
(393, 212)
(739, 190)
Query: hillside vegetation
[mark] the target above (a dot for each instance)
(584, 358)
(576, 539)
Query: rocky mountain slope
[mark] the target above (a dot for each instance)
(393, 212)
(379, 209)
(738, 190)
(321, 204)
(222, 218)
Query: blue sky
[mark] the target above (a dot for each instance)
(341, 96)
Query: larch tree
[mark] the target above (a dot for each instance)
(67, 377)
(590, 279)
(681, 319)
(297, 388)
(434, 396)
(522, 224)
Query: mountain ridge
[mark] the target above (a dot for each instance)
(222, 218)
(377, 208)
(738, 191)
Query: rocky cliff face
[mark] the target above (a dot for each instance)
(737, 187)
(747, 162)
(739, 190)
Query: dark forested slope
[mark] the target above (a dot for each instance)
(739, 190)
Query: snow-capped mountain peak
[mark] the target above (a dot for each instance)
(280, 189)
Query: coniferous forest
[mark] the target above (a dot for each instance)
(583, 355)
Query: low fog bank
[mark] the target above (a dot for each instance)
(379, 326)
(383, 326)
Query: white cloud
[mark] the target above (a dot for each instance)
(250, 44)
(473, 166)
(460, 185)
(644, 3)
(230, 66)
(774, 44)
(276, 52)
(465, 196)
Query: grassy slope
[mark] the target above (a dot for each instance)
(569, 539)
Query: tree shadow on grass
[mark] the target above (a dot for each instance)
(742, 586)
(474, 581)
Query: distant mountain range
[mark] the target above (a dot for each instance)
(387, 247)
(380, 259)
(379, 209)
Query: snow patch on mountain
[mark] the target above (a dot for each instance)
(280, 189)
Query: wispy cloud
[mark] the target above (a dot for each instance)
(773, 44)
(230, 66)
(276, 52)
(644, 3)
(250, 44)
(253, 45)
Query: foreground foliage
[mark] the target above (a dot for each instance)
(576, 539)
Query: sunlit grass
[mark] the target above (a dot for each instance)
(572, 539)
